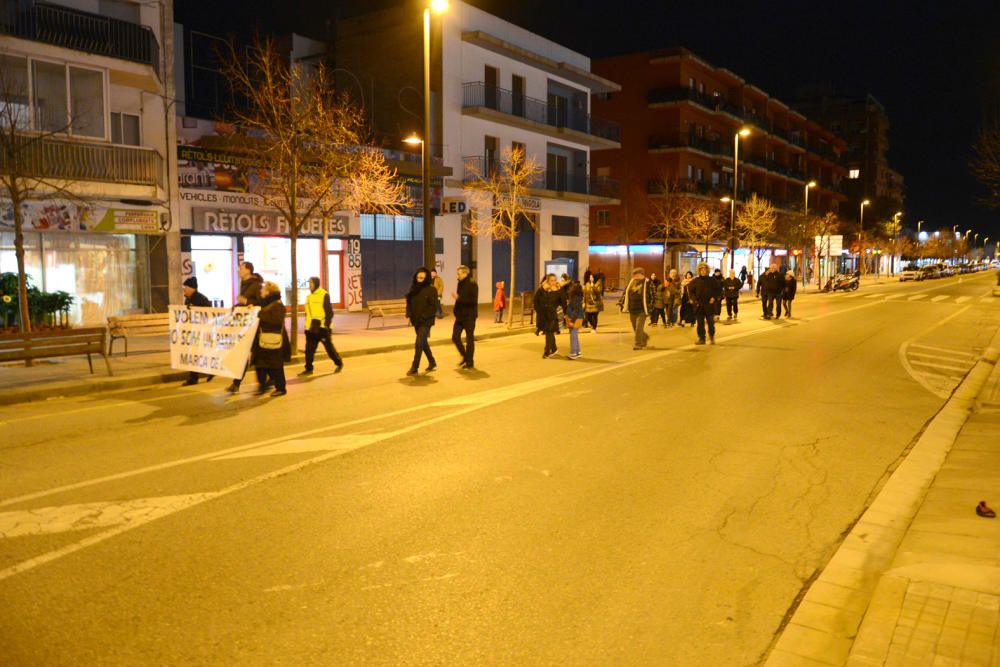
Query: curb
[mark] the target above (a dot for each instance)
(824, 624)
(67, 388)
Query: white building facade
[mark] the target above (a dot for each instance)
(95, 80)
(504, 87)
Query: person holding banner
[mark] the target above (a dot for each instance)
(272, 348)
(319, 315)
(192, 297)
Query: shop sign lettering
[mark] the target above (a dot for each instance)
(245, 221)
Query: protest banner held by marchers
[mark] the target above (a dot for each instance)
(215, 341)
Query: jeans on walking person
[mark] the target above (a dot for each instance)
(574, 342)
(422, 347)
(701, 316)
(638, 321)
(468, 350)
(732, 306)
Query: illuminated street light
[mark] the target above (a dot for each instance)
(437, 6)
(861, 232)
(742, 132)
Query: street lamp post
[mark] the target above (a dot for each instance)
(861, 235)
(743, 132)
(919, 243)
(805, 214)
(437, 6)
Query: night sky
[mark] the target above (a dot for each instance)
(935, 66)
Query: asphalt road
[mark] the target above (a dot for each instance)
(662, 507)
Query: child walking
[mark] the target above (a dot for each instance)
(499, 303)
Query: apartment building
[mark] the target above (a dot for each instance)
(680, 117)
(862, 121)
(91, 78)
(494, 86)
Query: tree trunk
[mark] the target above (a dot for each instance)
(22, 275)
(666, 251)
(513, 269)
(294, 236)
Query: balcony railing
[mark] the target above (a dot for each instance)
(478, 167)
(77, 161)
(478, 94)
(82, 31)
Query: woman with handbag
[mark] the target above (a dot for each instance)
(272, 348)
(574, 317)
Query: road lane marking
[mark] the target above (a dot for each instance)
(305, 445)
(963, 299)
(84, 516)
(874, 296)
(944, 350)
(917, 297)
(940, 297)
(892, 296)
(962, 369)
(942, 392)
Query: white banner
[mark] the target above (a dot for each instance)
(215, 341)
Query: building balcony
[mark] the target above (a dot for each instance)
(710, 146)
(477, 167)
(81, 31)
(78, 161)
(527, 113)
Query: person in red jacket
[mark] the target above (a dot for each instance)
(499, 303)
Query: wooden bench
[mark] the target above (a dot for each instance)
(384, 307)
(66, 343)
(121, 326)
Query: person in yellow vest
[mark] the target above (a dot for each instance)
(319, 315)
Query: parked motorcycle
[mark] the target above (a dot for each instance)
(842, 283)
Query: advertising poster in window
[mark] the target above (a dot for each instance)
(72, 216)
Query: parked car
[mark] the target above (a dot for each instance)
(945, 270)
(911, 272)
(930, 271)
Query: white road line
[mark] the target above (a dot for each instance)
(963, 299)
(892, 296)
(916, 297)
(938, 357)
(873, 296)
(941, 297)
(962, 369)
(916, 375)
(943, 350)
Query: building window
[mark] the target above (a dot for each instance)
(691, 82)
(125, 129)
(690, 172)
(701, 174)
(367, 226)
(604, 218)
(604, 172)
(64, 98)
(701, 87)
(438, 246)
(715, 178)
(854, 173)
(564, 225)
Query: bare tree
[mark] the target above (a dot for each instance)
(632, 222)
(316, 144)
(823, 227)
(503, 191)
(985, 163)
(703, 224)
(755, 225)
(672, 211)
(29, 171)
(891, 229)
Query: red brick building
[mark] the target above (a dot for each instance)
(679, 116)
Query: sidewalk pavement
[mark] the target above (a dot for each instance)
(148, 361)
(917, 580)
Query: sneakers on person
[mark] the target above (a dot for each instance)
(233, 388)
(574, 356)
(307, 372)
(189, 382)
(340, 367)
(430, 367)
(412, 371)
(279, 392)
(700, 341)
(711, 339)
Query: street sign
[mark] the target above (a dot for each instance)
(451, 205)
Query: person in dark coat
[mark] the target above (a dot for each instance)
(250, 289)
(717, 275)
(637, 300)
(466, 310)
(272, 347)
(769, 288)
(194, 298)
(731, 287)
(743, 275)
(788, 294)
(548, 300)
(574, 317)
(421, 308)
(687, 305)
(705, 293)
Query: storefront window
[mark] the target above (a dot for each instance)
(272, 259)
(212, 264)
(98, 270)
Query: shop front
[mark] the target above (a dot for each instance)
(101, 253)
(223, 234)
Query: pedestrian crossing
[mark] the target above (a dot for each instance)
(926, 297)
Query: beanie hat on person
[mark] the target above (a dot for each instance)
(191, 282)
(639, 271)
